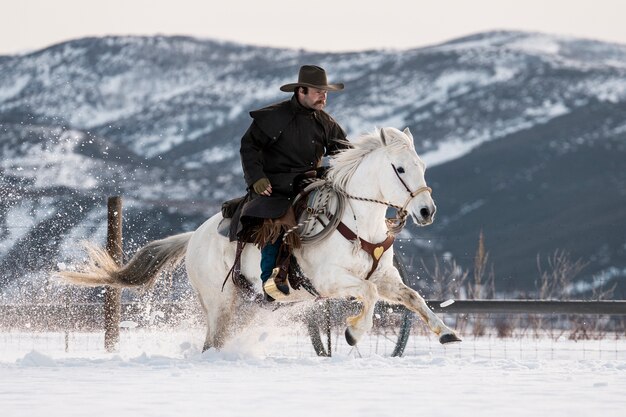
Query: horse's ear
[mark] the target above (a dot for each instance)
(382, 136)
(407, 132)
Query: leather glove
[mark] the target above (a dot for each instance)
(261, 185)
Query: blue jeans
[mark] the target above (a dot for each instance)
(269, 253)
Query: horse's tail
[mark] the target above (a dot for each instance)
(143, 268)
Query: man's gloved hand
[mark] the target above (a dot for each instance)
(262, 187)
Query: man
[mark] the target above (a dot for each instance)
(285, 141)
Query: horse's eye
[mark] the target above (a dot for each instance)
(400, 170)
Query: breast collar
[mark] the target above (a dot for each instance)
(375, 250)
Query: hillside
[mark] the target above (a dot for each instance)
(524, 135)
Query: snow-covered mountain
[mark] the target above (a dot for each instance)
(525, 135)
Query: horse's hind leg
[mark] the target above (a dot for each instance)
(391, 288)
(227, 317)
(218, 333)
(209, 338)
(219, 320)
(207, 342)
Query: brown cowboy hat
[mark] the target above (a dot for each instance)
(314, 77)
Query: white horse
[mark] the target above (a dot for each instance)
(381, 169)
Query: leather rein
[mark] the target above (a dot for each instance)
(376, 250)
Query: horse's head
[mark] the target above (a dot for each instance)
(401, 176)
(383, 166)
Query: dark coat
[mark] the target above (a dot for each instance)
(284, 141)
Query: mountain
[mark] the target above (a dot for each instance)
(524, 135)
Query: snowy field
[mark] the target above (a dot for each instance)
(272, 372)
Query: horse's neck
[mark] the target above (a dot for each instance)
(366, 219)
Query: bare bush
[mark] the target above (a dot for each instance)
(483, 285)
(555, 280)
(447, 277)
(448, 281)
(504, 327)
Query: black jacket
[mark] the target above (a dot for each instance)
(283, 141)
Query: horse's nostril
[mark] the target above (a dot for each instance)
(425, 212)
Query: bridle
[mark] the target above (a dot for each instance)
(412, 194)
(397, 223)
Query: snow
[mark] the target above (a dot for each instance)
(14, 87)
(235, 111)
(546, 111)
(266, 373)
(27, 215)
(152, 145)
(612, 90)
(454, 80)
(598, 280)
(537, 44)
(55, 163)
(446, 303)
(92, 229)
(455, 147)
(218, 154)
(450, 150)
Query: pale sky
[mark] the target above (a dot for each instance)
(320, 25)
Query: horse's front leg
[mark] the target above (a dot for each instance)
(364, 291)
(392, 289)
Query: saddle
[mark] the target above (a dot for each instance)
(316, 204)
(287, 268)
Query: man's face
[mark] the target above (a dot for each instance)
(314, 99)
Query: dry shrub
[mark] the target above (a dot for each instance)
(447, 278)
(483, 286)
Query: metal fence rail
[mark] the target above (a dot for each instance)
(89, 315)
(530, 307)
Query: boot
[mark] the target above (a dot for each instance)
(269, 253)
(277, 287)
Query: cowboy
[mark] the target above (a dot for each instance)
(284, 142)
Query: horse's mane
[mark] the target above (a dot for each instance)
(345, 163)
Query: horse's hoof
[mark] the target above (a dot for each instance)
(349, 338)
(449, 338)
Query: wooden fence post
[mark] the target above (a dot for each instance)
(112, 296)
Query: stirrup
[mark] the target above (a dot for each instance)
(278, 291)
